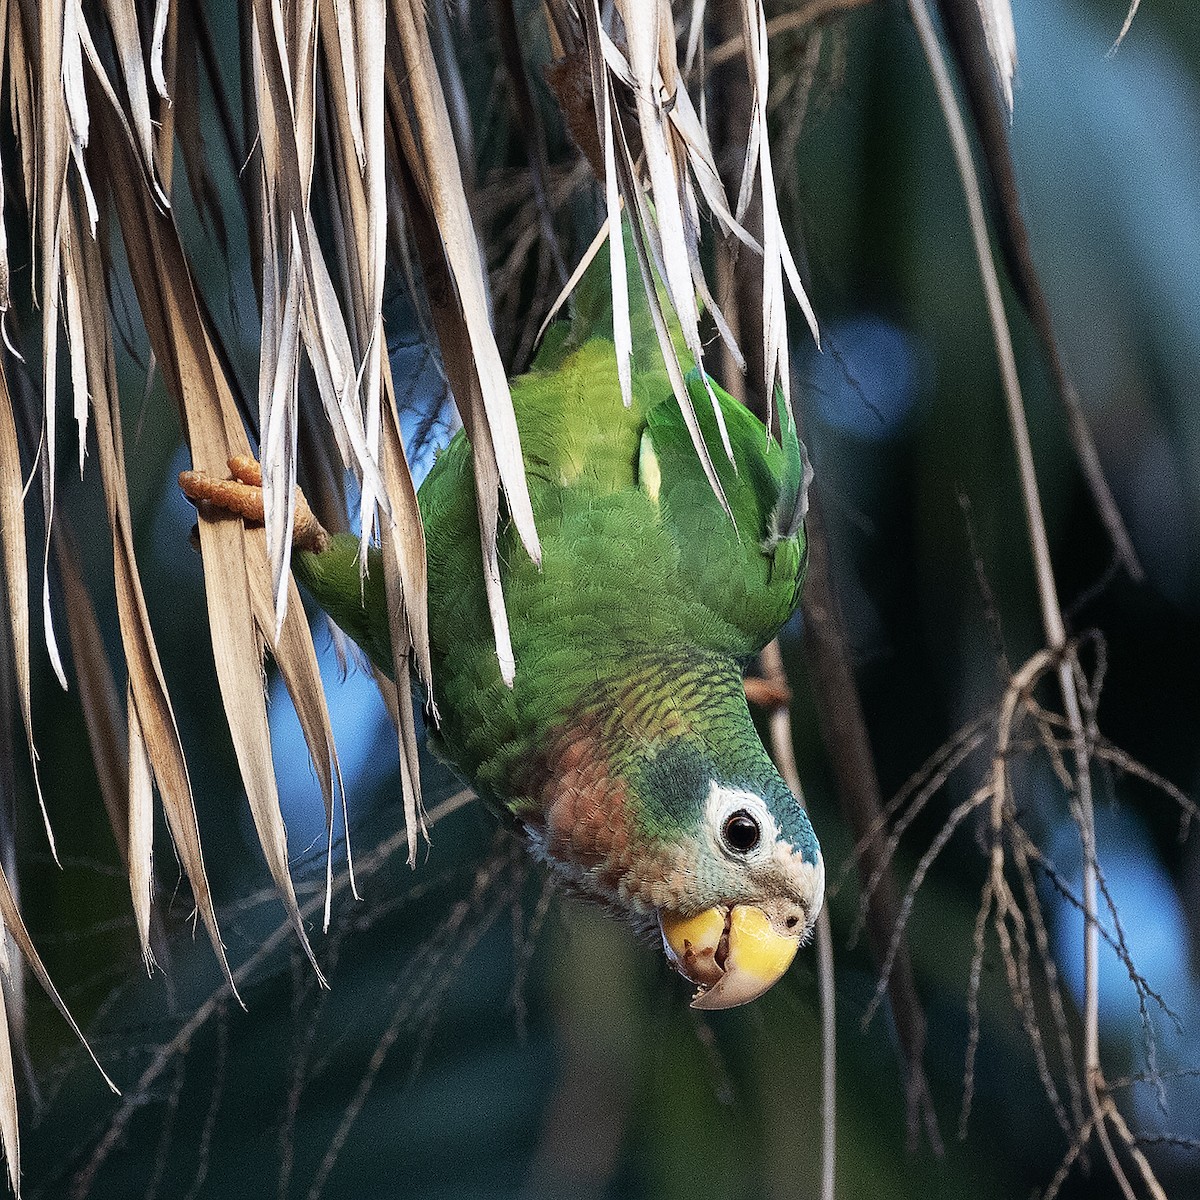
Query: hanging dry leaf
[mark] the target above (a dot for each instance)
(13, 549)
(178, 333)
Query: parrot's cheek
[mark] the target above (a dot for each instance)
(734, 954)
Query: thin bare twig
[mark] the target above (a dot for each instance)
(454, 937)
(844, 731)
(134, 1096)
(799, 18)
(1052, 620)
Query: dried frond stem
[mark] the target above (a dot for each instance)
(799, 18)
(1052, 619)
(784, 753)
(165, 1056)
(1126, 25)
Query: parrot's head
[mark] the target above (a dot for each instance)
(742, 878)
(666, 807)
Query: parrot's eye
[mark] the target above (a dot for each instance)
(741, 832)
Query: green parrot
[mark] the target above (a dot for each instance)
(624, 748)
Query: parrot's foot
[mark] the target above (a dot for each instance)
(243, 495)
(767, 693)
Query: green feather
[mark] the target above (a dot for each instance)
(355, 602)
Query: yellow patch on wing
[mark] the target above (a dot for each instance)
(649, 472)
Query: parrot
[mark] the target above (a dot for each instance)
(623, 750)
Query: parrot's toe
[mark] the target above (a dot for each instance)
(243, 495)
(231, 495)
(768, 694)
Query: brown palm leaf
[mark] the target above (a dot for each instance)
(350, 134)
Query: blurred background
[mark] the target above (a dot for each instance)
(483, 1037)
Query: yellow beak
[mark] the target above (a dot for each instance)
(733, 954)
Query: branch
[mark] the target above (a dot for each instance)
(784, 753)
(964, 30)
(134, 1097)
(1103, 1111)
(844, 731)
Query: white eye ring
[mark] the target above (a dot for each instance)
(732, 806)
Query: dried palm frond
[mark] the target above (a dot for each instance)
(353, 131)
(652, 150)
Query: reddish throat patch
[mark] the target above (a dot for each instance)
(584, 804)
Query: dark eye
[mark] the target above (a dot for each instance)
(741, 832)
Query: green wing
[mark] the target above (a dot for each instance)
(737, 583)
(358, 605)
(749, 571)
